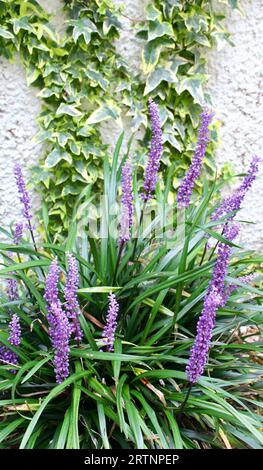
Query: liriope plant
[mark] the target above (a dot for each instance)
(135, 332)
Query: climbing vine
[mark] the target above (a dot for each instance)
(83, 81)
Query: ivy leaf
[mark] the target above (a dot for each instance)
(221, 38)
(156, 77)
(111, 21)
(32, 74)
(4, 33)
(33, 7)
(194, 86)
(83, 27)
(22, 23)
(139, 119)
(74, 147)
(69, 189)
(170, 5)
(152, 51)
(56, 156)
(63, 138)
(103, 113)
(192, 38)
(168, 136)
(195, 21)
(68, 109)
(157, 30)
(233, 4)
(97, 78)
(153, 13)
(45, 28)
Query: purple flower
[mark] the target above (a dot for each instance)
(18, 233)
(231, 287)
(127, 202)
(186, 187)
(15, 331)
(150, 176)
(72, 305)
(111, 323)
(233, 202)
(23, 193)
(214, 299)
(8, 357)
(59, 327)
(60, 332)
(12, 289)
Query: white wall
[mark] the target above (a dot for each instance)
(236, 78)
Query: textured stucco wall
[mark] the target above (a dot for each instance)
(236, 84)
(236, 77)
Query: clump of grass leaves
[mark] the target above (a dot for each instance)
(131, 398)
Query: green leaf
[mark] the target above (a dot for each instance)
(97, 78)
(22, 23)
(83, 27)
(54, 392)
(103, 426)
(152, 51)
(56, 156)
(4, 33)
(103, 113)
(99, 289)
(73, 431)
(157, 76)
(153, 13)
(157, 30)
(10, 428)
(32, 75)
(68, 109)
(194, 86)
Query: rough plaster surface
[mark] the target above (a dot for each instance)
(19, 107)
(236, 79)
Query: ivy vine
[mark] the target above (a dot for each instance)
(84, 81)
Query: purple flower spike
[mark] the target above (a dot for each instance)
(18, 233)
(150, 176)
(186, 187)
(127, 202)
(111, 323)
(8, 357)
(214, 299)
(72, 305)
(15, 331)
(233, 202)
(60, 329)
(23, 193)
(12, 290)
(230, 288)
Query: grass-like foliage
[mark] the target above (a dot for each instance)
(132, 397)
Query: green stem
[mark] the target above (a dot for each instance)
(138, 231)
(203, 255)
(118, 262)
(183, 404)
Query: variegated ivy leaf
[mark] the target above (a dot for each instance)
(194, 86)
(152, 51)
(4, 33)
(157, 76)
(153, 13)
(22, 23)
(83, 27)
(68, 109)
(56, 156)
(104, 112)
(159, 29)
